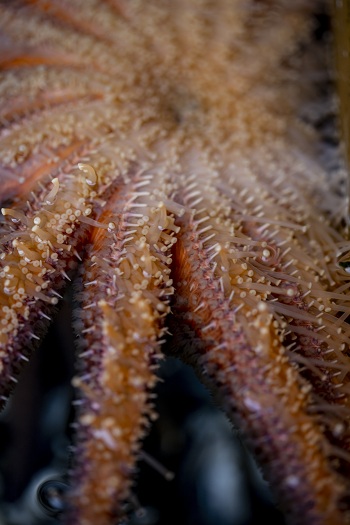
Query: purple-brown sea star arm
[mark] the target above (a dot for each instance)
(126, 287)
(245, 373)
(245, 377)
(252, 323)
(36, 256)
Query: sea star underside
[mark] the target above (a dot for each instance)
(166, 148)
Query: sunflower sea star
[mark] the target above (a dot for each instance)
(160, 147)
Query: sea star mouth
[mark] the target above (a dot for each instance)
(150, 146)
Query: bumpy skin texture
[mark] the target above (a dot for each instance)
(163, 148)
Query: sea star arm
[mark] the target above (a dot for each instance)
(247, 323)
(245, 377)
(126, 285)
(37, 252)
